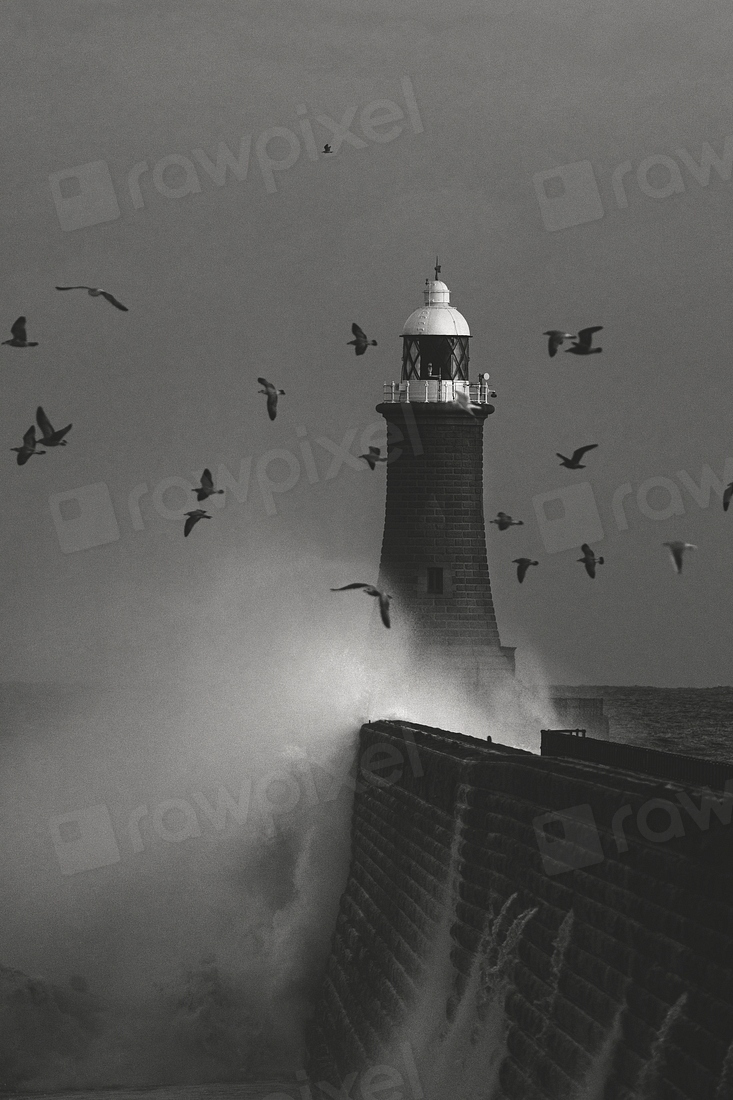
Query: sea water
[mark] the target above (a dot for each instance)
(697, 722)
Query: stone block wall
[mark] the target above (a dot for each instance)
(434, 517)
(617, 981)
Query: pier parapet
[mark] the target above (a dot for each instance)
(565, 925)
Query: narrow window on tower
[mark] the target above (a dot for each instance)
(435, 581)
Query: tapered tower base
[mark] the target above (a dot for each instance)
(434, 560)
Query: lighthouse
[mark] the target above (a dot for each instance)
(434, 561)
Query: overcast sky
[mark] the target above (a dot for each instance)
(228, 278)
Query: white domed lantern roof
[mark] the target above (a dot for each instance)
(437, 317)
(435, 338)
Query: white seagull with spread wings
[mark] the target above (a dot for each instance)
(272, 395)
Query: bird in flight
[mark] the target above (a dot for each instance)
(523, 565)
(676, 550)
(503, 521)
(326, 148)
(589, 560)
(272, 396)
(193, 518)
(573, 463)
(584, 340)
(373, 457)
(467, 404)
(361, 343)
(206, 488)
(727, 495)
(96, 292)
(371, 591)
(20, 337)
(30, 447)
(557, 337)
(49, 437)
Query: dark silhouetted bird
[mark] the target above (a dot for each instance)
(361, 343)
(272, 396)
(49, 437)
(326, 148)
(371, 591)
(727, 495)
(557, 337)
(573, 462)
(589, 560)
(373, 457)
(97, 292)
(20, 336)
(30, 447)
(503, 521)
(584, 340)
(676, 550)
(193, 518)
(523, 565)
(206, 488)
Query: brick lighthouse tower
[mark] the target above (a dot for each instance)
(434, 559)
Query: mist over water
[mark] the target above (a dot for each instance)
(196, 949)
(193, 955)
(406, 687)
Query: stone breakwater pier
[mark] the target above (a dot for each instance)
(533, 927)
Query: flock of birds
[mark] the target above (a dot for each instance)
(19, 339)
(584, 346)
(50, 437)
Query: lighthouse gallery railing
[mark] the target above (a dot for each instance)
(436, 390)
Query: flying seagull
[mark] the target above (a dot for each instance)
(206, 488)
(20, 337)
(30, 447)
(326, 148)
(557, 337)
(272, 396)
(727, 495)
(573, 463)
(584, 339)
(193, 518)
(589, 560)
(503, 521)
(373, 457)
(466, 403)
(361, 343)
(49, 437)
(96, 292)
(523, 565)
(676, 550)
(371, 591)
